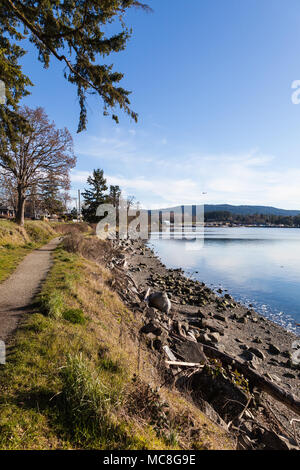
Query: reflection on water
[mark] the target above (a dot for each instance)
(258, 266)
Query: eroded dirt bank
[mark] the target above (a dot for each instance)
(206, 328)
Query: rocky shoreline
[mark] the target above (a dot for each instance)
(203, 317)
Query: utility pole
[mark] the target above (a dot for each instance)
(79, 206)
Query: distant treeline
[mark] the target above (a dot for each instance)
(261, 219)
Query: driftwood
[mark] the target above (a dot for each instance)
(257, 380)
(169, 353)
(184, 364)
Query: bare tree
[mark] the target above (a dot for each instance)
(38, 151)
(8, 193)
(130, 202)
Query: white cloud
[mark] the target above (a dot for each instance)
(158, 179)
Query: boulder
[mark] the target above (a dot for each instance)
(160, 300)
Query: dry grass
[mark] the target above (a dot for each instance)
(33, 231)
(90, 247)
(16, 242)
(10, 233)
(70, 228)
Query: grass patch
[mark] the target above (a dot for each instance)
(52, 304)
(74, 315)
(10, 257)
(17, 242)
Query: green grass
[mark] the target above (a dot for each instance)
(10, 257)
(17, 242)
(74, 315)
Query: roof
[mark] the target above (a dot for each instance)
(6, 208)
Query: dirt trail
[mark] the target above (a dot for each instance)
(18, 291)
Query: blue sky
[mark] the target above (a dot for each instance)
(211, 81)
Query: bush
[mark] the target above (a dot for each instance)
(73, 243)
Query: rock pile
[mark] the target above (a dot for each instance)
(214, 338)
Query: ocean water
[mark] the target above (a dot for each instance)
(258, 266)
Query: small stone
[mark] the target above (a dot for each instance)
(255, 362)
(151, 328)
(206, 339)
(201, 314)
(247, 355)
(257, 352)
(210, 325)
(289, 375)
(242, 320)
(220, 317)
(215, 337)
(257, 340)
(273, 349)
(158, 345)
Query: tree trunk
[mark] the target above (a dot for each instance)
(20, 207)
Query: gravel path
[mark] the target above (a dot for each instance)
(18, 291)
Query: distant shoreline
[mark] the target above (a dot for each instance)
(225, 225)
(228, 225)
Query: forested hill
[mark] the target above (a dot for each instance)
(250, 210)
(238, 210)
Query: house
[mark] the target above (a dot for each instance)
(7, 212)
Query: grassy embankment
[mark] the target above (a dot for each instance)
(79, 377)
(16, 242)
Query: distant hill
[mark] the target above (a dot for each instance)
(250, 210)
(238, 210)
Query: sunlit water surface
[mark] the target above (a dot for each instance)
(258, 266)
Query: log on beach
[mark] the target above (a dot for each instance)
(256, 380)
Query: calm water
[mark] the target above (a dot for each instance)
(259, 266)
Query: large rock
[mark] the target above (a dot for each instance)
(191, 352)
(160, 300)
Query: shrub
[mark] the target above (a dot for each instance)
(73, 243)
